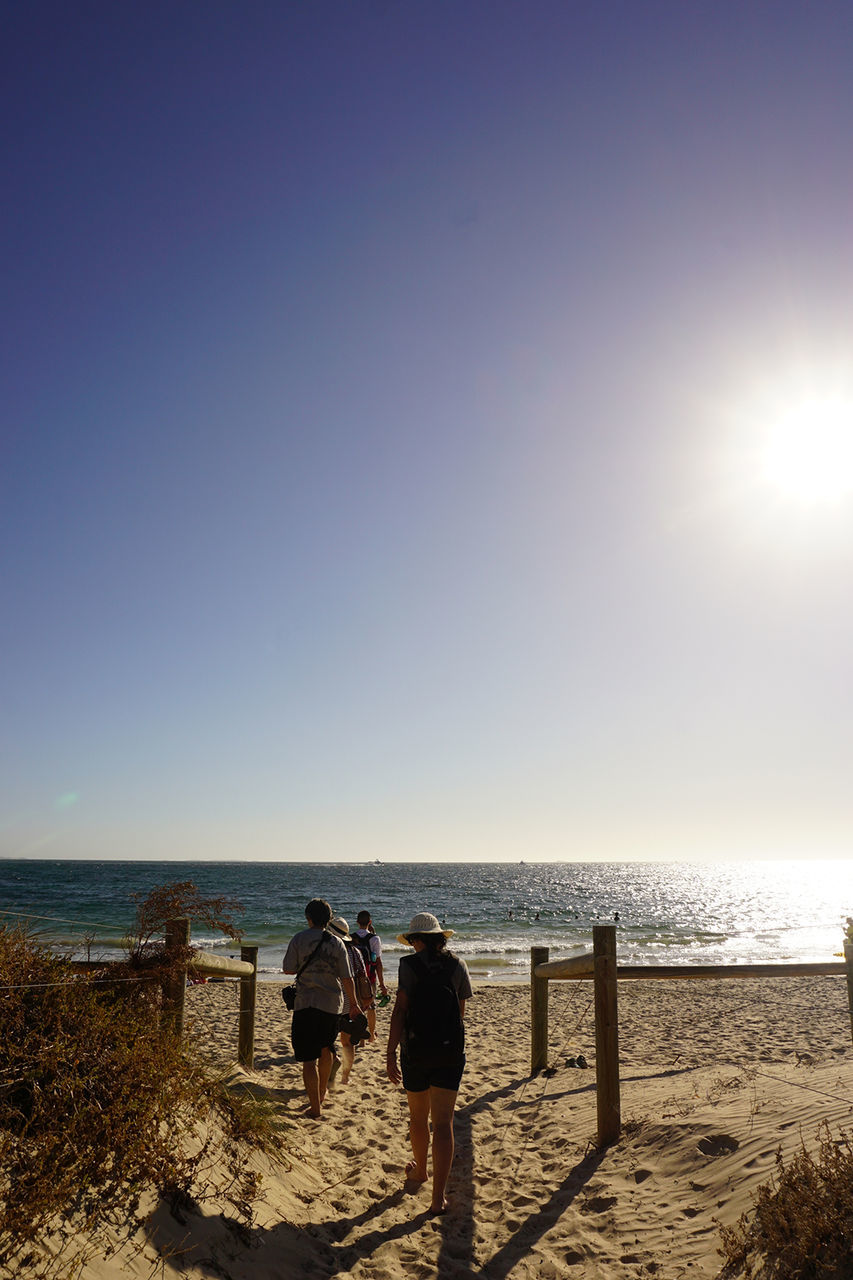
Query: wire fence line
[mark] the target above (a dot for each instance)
(573, 997)
(75, 924)
(72, 982)
(707, 1002)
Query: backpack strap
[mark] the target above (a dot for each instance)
(421, 965)
(362, 942)
(433, 964)
(305, 963)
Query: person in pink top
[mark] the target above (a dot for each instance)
(369, 944)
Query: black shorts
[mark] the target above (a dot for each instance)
(417, 1079)
(312, 1031)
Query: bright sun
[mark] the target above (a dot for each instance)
(808, 454)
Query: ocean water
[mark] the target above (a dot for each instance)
(668, 913)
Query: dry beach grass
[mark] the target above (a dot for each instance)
(716, 1077)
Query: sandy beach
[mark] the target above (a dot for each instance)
(716, 1076)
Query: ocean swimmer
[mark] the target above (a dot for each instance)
(427, 1025)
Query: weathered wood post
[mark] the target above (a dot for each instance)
(848, 960)
(175, 986)
(538, 1012)
(248, 990)
(606, 1034)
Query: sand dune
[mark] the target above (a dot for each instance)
(716, 1076)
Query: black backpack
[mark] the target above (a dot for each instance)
(363, 944)
(434, 1034)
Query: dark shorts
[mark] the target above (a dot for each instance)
(417, 1079)
(312, 1031)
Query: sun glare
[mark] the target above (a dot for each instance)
(808, 455)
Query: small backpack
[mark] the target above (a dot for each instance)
(434, 1035)
(362, 943)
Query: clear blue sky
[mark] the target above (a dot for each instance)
(389, 392)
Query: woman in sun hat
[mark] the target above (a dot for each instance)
(427, 1025)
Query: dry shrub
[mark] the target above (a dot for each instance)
(150, 968)
(171, 902)
(100, 1102)
(801, 1226)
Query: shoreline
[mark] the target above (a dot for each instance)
(282, 979)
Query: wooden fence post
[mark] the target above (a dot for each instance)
(175, 987)
(248, 990)
(606, 1034)
(538, 1012)
(848, 959)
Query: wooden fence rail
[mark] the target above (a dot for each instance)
(208, 965)
(600, 965)
(246, 969)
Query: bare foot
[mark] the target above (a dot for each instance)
(414, 1174)
(435, 1210)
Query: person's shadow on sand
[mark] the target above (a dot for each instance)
(458, 1225)
(540, 1222)
(216, 1245)
(323, 1250)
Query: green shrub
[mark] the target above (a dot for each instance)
(801, 1225)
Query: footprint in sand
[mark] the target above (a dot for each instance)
(598, 1204)
(524, 1201)
(718, 1144)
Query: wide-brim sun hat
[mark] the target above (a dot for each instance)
(339, 926)
(423, 922)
